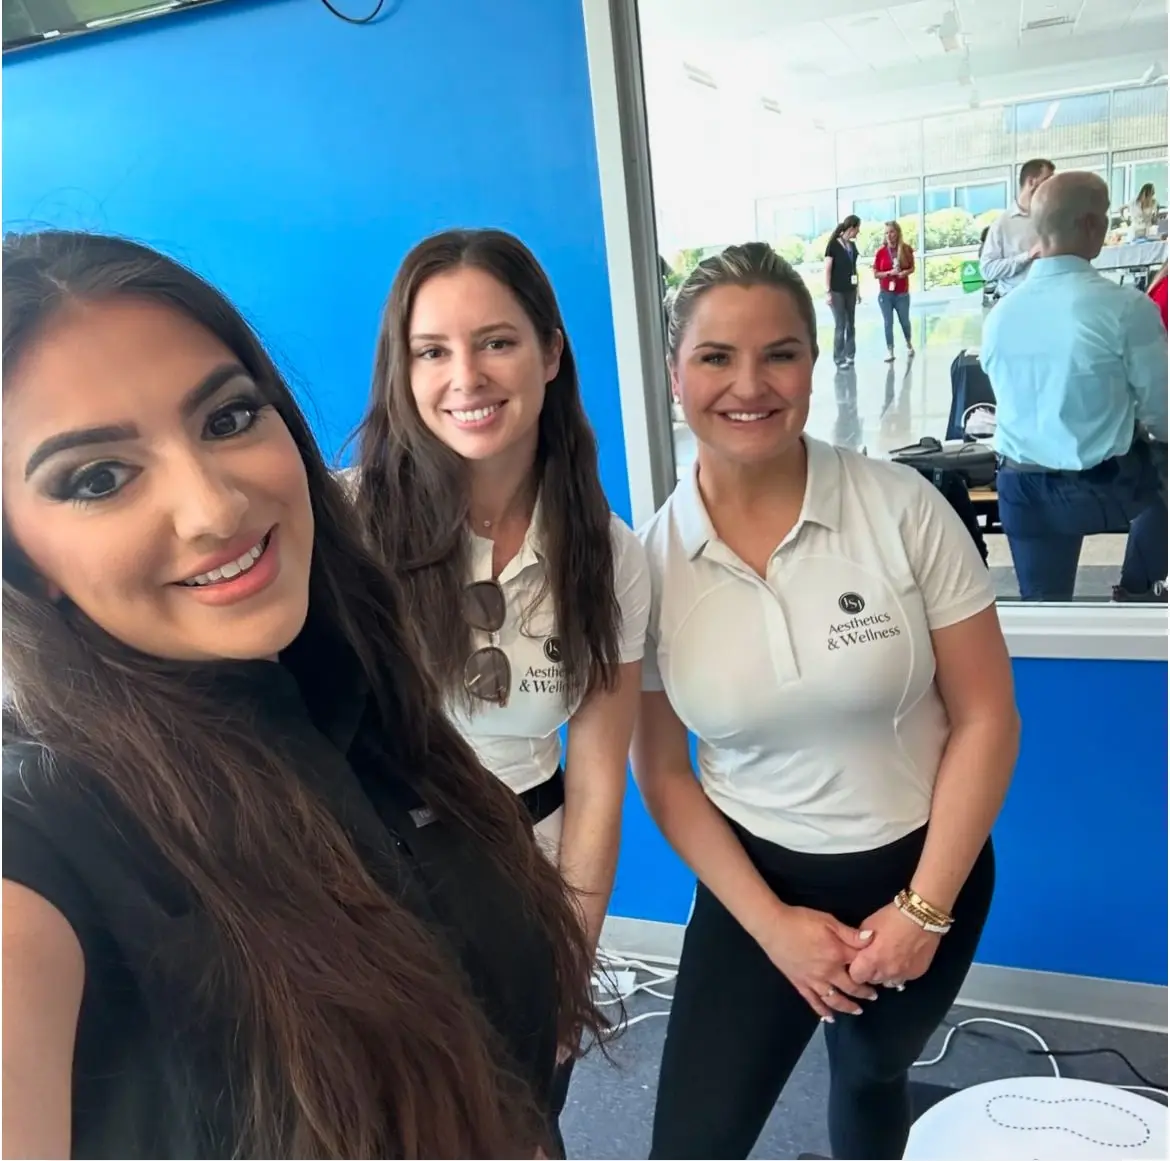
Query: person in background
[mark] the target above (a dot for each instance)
(260, 899)
(1077, 362)
(892, 266)
(1011, 244)
(1143, 214)
(841, 286)
(479, 485)
(823, 623)
(1157, 292)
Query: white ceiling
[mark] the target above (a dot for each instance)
(862, 61)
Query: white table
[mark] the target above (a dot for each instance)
(1131, 256)
(1044, 1118)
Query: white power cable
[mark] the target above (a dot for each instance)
(989, 1020)
(611, 962)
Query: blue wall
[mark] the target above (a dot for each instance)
(1081, 843)
(294, 159)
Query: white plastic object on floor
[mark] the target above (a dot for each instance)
(1045, 1118)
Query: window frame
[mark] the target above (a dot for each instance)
(1083, 631)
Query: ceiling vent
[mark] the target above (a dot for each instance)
(699, 76)
(1048, 23)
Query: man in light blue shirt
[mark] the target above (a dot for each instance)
(1078, 365)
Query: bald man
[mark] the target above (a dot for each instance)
(1078, 365)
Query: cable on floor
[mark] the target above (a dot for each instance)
(609, 962)
(963, 1025)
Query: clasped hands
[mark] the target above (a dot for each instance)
(833, 965)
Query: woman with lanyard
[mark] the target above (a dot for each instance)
(841, 287)
(892, 266)
(824, 624)
(260, 898)
(478, 482)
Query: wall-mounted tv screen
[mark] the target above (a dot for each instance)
(32, 22)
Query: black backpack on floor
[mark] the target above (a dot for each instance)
(954, 471)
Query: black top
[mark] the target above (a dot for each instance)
(844, 268)
(149, 1076)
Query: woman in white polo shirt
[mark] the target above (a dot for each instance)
(478, 480)
(825, 626)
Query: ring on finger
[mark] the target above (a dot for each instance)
(829, 994)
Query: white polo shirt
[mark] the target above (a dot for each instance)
(520, 742)
(812, 692)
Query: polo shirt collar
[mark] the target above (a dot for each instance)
(822, 499)
(1059, 264)
(532, 551)
(1018, 211)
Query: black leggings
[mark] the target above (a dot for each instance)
(737, 1027)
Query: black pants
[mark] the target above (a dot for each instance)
(737, 1027)
(557, 1098)
(844, 304)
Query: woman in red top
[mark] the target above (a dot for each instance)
(1157, 291)
(892, 266)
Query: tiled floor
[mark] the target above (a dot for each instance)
(611, 1106)
(879, 406)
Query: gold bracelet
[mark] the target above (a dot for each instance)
(937, 915)
(916, 915)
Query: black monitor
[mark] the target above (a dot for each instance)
(28, 23)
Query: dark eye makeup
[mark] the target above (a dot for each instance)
(103, 479)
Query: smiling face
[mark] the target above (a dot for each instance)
(149, 481)
(478, 370)
(743, 372)
(893, 237)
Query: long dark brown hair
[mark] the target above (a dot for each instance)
(413, 491)
(360, 1035)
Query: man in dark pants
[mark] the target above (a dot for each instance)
(1079, 369)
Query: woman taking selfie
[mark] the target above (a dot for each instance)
(824, 624)
(478, 482)
(260, 899)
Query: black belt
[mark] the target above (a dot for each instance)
(546, 799)
(1016, 466)
(1104, 471)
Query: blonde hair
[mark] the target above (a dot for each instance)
(749, 264)
(903, 245)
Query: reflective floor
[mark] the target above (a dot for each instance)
(877, 406)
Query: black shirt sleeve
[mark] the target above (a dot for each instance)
(33, 860)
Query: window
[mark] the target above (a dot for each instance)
(972, 137)
(979, 199)
(876, 209)
(1150, 171)
(908, 203)
(802, 216)
(1139, 118)
(1132, 168)
(1062, 126)
(940, 198)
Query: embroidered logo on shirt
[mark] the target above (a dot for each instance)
(850, 603)
(862, 630)
(546, 678)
